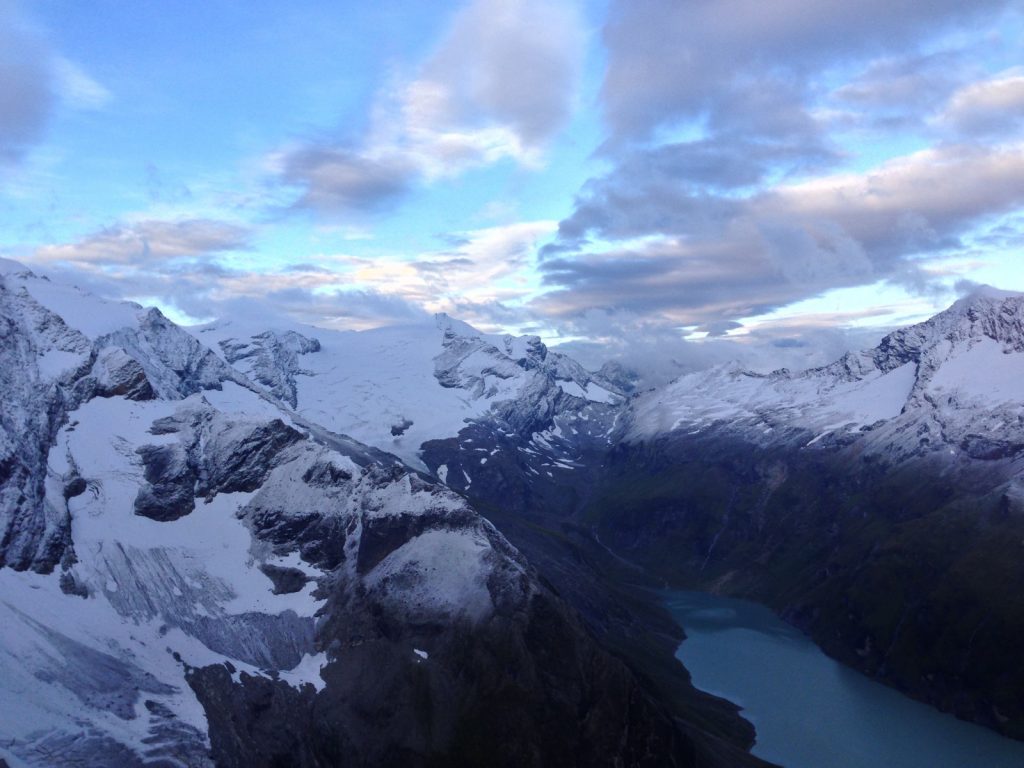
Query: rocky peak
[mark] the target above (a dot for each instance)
(271, 359)
(985, 313)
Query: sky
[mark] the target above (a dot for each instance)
(672, 181)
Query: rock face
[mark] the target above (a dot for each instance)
(49, 369)
(397, 388)
(240, 586)
(928, 388)
(796, 483)
(272, 360)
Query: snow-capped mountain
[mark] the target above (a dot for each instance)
(952, 383)
(877, 502)
(396, 388)
(193, 573)
(236, 544)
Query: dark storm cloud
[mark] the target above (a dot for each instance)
(26, 85)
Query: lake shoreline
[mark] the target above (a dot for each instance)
(808, 709)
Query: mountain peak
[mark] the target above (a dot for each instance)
(446, 322)
(988, 293)
(985, 312)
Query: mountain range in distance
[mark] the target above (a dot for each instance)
(425, 545)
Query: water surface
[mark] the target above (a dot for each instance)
(810, 711)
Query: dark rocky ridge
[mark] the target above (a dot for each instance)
(907, 570)
(524, 684)
(822, 534)
(519, 690)
(156, 358)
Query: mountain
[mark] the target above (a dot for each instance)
(871, 502)
(953, 383)
(875, 502)
(197, 569)
(395, 388)
(426, 545)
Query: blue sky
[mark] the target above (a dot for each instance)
(779, 178)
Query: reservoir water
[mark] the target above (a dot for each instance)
(810, 711)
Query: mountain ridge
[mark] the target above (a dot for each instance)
(598, 493)
(184, 555)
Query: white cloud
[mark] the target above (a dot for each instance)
(76, 88)
(148, 241)
(722, 258)
(991, 106)
(485, 267)
(500, 85)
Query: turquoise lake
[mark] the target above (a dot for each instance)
(810, 711)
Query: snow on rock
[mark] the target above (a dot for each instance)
(396, 388)
(923, 388)
(437, 573)
(593, 392)
(272, 360)
(197, 522)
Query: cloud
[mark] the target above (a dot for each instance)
(692, 258)
(176, 263)
(672, 60)
(34, 79)
(516, 62)
(313, 298)
(149, 241)
(729, 123)
(659, 353)
(988, 107)
(915, 82)
(76, 87)
(472, 278)
(26, 84)
(340, 179)
(193, 291)
(500, 85)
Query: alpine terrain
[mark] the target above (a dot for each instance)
(424, 545)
